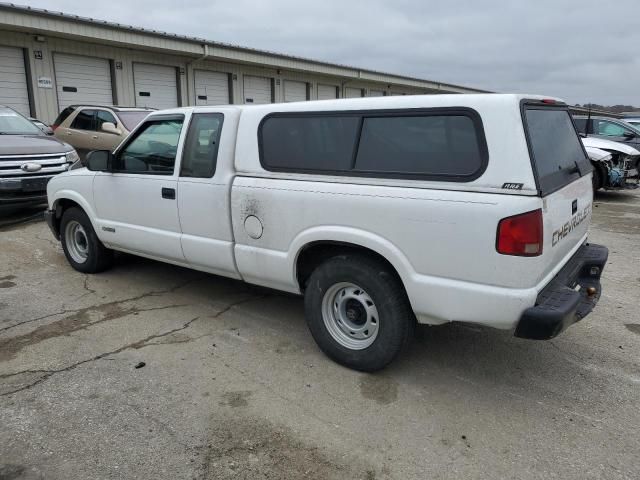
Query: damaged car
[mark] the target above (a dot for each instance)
(614, 163)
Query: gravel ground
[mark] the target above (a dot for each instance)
(154, 371)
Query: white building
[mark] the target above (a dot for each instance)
(50, 60)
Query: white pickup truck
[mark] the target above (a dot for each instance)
(381, 211)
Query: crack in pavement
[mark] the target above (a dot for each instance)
(154, 293)
(86, 284)
(145, 342)
(79, 320)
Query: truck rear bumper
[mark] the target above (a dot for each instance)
(568, 298)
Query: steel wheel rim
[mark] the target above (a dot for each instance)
(350, 316)
(77, 241)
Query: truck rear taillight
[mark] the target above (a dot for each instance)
(520, 235)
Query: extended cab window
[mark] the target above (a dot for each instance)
(85, 120)
(320, 143)
(153, 150)
(201, 146)
(558, 155)
(444, 145)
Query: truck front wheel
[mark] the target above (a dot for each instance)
(82, 247)
(358, 312)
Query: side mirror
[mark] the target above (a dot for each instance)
(109, 127)
(48, 130)
(98, 160)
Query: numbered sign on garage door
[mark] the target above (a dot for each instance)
(82, 80)
(155, 85)
(295, 91)
(350, 92)
(327, 92)
(13, 80)
(212, 88)
(257, 90)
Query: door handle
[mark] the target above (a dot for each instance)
(169, 193)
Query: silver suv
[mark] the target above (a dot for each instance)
(28, 160)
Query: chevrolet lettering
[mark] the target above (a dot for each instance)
(576, 220)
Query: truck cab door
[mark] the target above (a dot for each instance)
(136, 201)
(204, 188)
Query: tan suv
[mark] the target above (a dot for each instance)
(93, 127)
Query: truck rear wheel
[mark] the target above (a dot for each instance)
(358, 312)
(82, 247)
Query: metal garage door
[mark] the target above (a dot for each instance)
(350, 92)
(84, 80)
(295, 91)
(13, 80)
(156, 86)
(212, 88)
(376, 93)
(327, 92)
(257, 90)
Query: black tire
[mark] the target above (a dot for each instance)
(396, 322)
(98, 257)
(596, 179)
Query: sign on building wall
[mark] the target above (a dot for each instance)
(45, 82)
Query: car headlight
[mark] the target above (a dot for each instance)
(72, 156)
(74, 159)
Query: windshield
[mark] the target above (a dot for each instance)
(12, 123)
(131, 120)
(556, 149)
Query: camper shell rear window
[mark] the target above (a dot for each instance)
(557, 154)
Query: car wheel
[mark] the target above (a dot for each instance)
(358, 312)
(82, 247)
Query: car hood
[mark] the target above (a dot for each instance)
(596, 154)
(31, 145)
(609, 145)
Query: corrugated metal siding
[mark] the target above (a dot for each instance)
(257, 90)
(81, 79)
(295, 91)
(13, 80)
(327, 92)
(321, 84)
(16, 17)
(155, 86)
(351, 92)
(212, 88)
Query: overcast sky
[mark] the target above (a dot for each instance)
(582, 51)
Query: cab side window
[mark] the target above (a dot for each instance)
(102, 116)
(201, 146)
(85, 120)
(153, 150)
